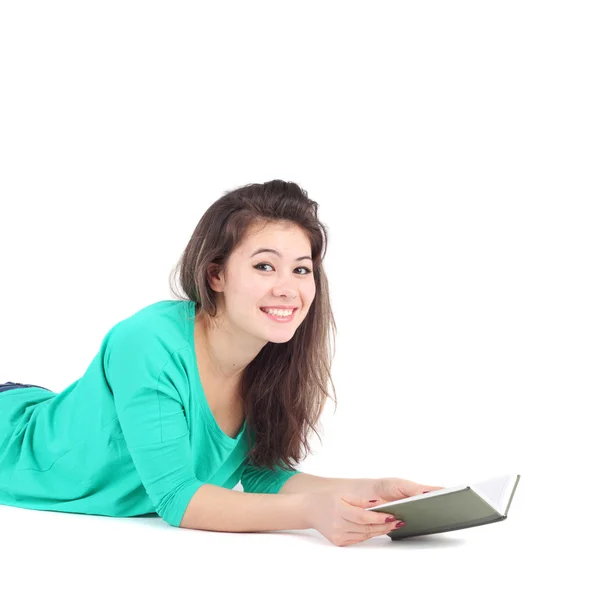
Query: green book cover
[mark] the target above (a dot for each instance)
(453, 508)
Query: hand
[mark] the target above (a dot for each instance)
(341, 517)
(389, 489)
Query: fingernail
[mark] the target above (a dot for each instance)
(398, 525)
(372, 500)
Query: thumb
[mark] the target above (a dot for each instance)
(430, 488)
(360, 501)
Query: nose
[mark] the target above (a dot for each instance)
(285, 293)
(284, 286)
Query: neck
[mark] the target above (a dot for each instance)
(227, 354)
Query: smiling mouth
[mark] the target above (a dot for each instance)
(275, 317)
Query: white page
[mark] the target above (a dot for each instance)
(496, 491)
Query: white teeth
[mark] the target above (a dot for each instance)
(278, 312)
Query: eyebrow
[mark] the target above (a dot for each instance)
(277, 253)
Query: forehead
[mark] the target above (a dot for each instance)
(275, 235)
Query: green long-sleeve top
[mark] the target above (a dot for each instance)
(133, 436)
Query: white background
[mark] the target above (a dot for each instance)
(453, 148)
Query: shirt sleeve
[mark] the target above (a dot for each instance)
(141, 374)
(261, 480)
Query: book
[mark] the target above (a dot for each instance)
(452, 508)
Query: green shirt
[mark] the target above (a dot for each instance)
(133, 436)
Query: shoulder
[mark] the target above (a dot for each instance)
(153, 334)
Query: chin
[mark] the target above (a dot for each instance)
(280, 339)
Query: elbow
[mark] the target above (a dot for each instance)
(172, 508)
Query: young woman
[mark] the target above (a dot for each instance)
(188, 397)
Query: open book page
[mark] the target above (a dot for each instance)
(418, 497)
(497, 491)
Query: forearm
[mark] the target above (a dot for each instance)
(305, 484)
(215, 508)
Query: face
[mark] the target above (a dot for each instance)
(254, 280)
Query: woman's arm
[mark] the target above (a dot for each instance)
(304, 483)
(219, 509)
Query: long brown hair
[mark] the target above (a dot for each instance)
(284, 389)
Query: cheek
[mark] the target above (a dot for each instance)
(249, 290)
(309, 293)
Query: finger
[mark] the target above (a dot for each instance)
(368, 517)
(353, 511)
(402, 488)
(353, 537)
(352, 540)
(411, 488)
(370, 529)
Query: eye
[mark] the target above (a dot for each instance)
(268, 265)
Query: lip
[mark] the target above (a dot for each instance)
(282, 307)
